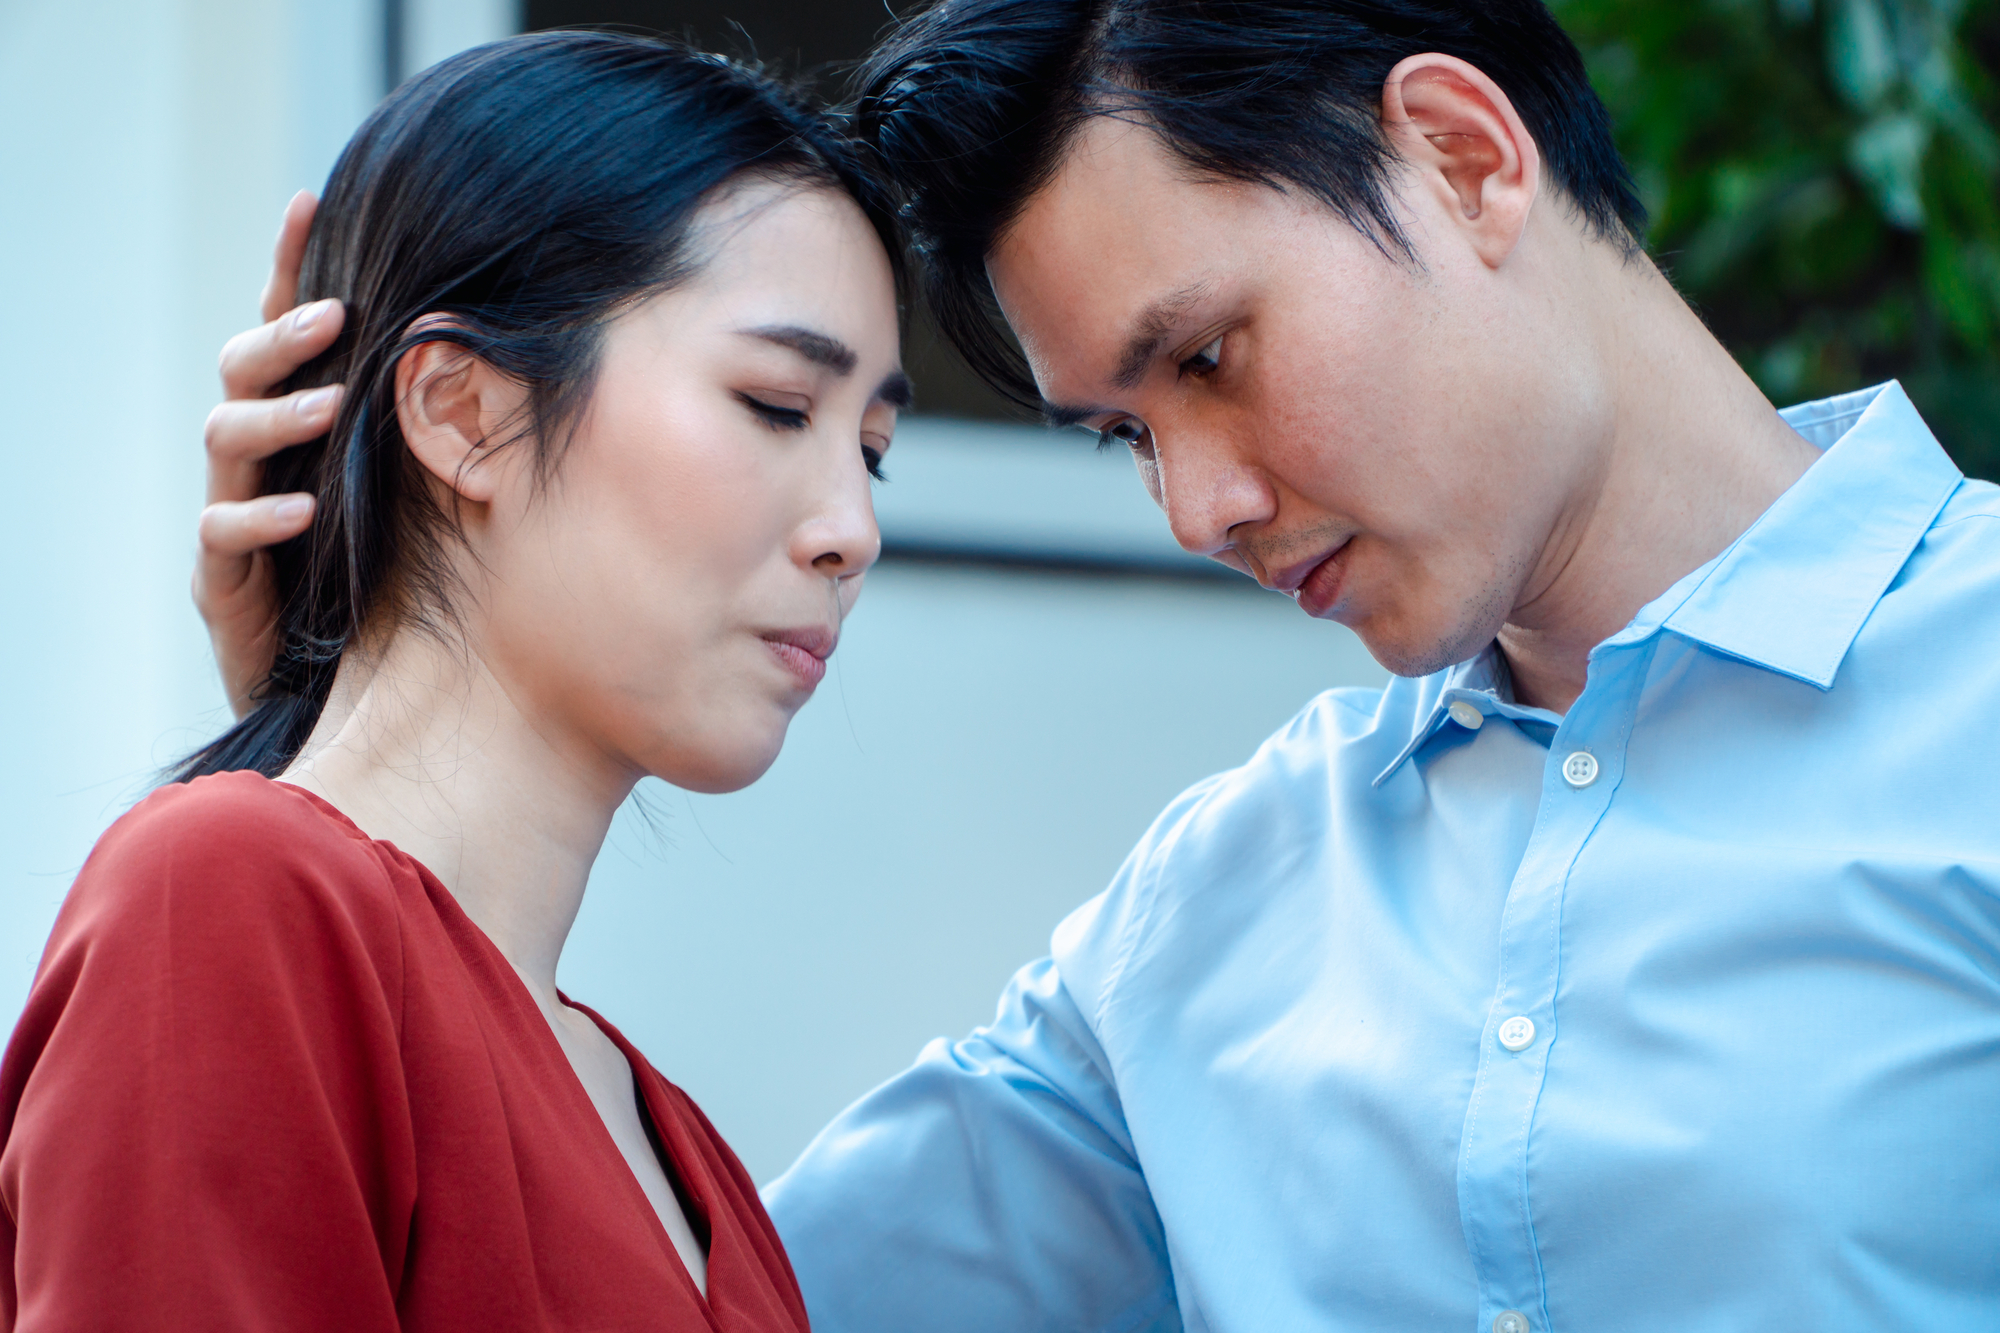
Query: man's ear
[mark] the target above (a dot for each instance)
(1462, 137)
(452, 407)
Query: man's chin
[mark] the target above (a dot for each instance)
(1413, 655)
(1414, 644)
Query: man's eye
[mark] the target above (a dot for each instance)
(1205, 362)
(1126, 431)
(778, 418)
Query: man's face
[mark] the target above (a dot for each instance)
(1390, 444)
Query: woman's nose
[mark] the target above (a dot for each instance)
(840, 539)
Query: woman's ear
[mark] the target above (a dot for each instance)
(453, 408)
(1463, 138)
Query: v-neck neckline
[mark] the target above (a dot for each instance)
(671, 1129)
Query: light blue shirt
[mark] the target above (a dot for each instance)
(1679, 1012)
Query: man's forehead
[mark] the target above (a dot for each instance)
(1101, 253)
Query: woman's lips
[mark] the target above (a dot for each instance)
(803, 653)
(1320, 590)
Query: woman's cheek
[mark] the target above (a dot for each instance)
(850, 593)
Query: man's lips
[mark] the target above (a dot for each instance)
(803, 652)
(1315, 583)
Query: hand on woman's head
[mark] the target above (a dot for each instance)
(233, 586)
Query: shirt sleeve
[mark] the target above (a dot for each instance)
(992, 1186)
(995, 1184)
(204, 1117)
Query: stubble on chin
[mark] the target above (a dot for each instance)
(1459, 633)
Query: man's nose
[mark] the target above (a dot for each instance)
(1210, 492)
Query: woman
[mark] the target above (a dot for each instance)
(617, 325)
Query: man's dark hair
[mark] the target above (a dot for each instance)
(969, 106)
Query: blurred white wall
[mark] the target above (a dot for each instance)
(988, 746)
(146, 150)
(439, 28)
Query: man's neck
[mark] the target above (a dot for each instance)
(1694, 455)
(431, 753)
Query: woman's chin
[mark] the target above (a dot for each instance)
(725, 764)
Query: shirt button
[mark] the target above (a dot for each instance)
(1517, 1033)
(1510, 1321)
(1580, 769)
(1467, 714)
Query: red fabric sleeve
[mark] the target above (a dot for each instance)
(203, 1109)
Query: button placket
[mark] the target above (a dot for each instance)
(1493, 1187)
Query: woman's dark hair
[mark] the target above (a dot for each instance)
(528, 191)
(970, 105)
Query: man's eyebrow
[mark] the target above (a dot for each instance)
(1155, 322)
(1060, 415)
(819, 348)
(1149, 330)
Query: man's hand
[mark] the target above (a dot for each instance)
(234, 588)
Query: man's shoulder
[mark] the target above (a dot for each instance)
(1235, 833)
(1951, 581)
(1328, 754)
(1968, 518)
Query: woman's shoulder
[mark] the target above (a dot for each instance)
(230, 826)
(236, 853)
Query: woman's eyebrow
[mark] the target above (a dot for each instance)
(829, 352)
(821, 349)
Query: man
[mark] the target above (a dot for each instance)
(1632, 961)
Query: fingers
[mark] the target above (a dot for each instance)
(257, 361)
(235, 589)
(231, 530)
(242, 433)
(281, 292)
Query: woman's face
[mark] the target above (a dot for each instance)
(667, 600)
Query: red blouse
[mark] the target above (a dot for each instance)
(271, 1078)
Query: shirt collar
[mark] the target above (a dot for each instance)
(1792, 593)
(1481, 683)
(1794, 590)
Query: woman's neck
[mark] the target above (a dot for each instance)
(431, 751)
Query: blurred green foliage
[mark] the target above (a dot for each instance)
(1824, 183)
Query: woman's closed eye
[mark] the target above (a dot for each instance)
(775, 416)
(779, 417)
